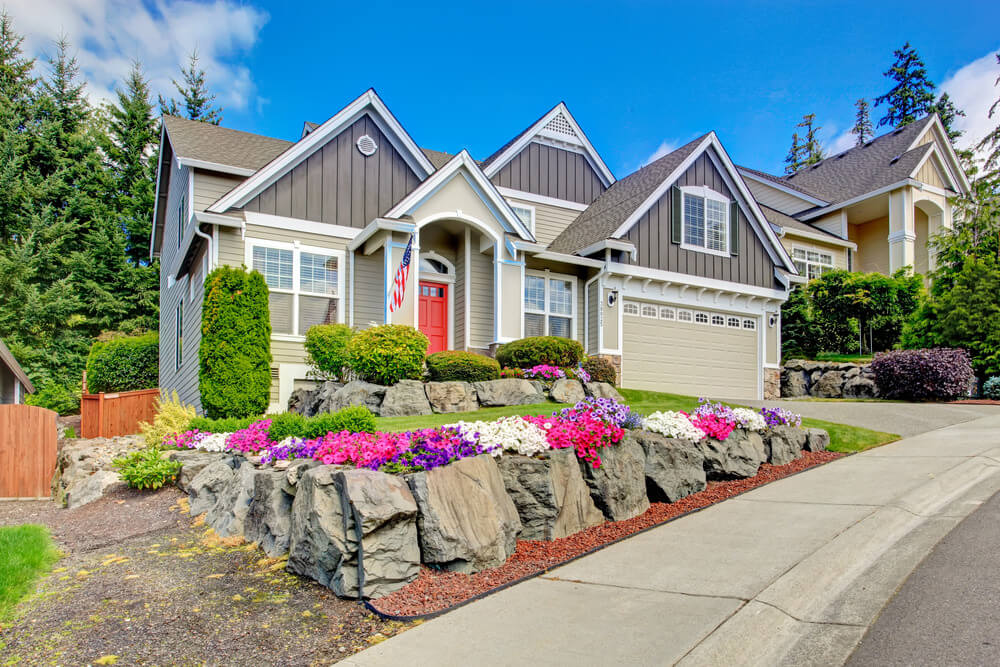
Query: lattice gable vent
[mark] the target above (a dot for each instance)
(560, 125)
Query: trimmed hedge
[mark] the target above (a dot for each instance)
(388, 353)
(56, 397)
(600, 370)
(550, 350)
(923, 375)
(124, 363)
(356, 419)
(991, 388)
(235, 351)
(462, 366)
(326, 345)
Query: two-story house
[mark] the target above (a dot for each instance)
(673, 272)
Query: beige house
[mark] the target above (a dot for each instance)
(871, 208)
(673, 272)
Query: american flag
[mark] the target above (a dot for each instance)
(399, 286)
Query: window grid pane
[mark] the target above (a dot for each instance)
(276, 266)
(534, 325)
(315, 310)
(631, 308)
(715, 225)
(701, 318)
(534, 293)
(281, 312)
(318, 273)
(694, 220)
(560, 297)
(559, 326)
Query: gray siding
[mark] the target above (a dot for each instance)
(339, 185)
(651, 236)
(551, 172)
(593, 315)
(459, 296)
(481, 296)
(369, 278)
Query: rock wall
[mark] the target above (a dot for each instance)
(827, 379)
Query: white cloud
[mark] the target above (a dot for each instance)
(840, 142)
(664, 148)
(106, 35)
(972, 88)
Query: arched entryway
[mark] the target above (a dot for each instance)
(928, 219)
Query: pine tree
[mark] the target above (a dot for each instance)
(794, 161)
(812, 152)
(196, 101)
(65, 90)
(948, 112)
(16, 110)
(913, 94)
(990, 144)
(863, 123)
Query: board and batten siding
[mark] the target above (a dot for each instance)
(551, 172)
(369, 295)
(651, 237)
(339, 185)
(550, 220)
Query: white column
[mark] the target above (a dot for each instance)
(901, 230)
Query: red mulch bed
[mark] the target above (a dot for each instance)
(436, 590)
(976, 401)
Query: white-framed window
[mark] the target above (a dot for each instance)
(667, 313)
(750, 325)
(181, 219)
(705, 225)
(549, 304)
(812, 263)
(718, 321)
(305, 284)
(685, 316)
(526, 214)
(733, 322)
(631, 308)
(179, 335)
(701, 318)
(649, 310)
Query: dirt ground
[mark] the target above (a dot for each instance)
(141, 583)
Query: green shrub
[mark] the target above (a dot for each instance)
(124, 363)
(991, 388)
(172, 416)
(550, 350)
(235, 351)
(147, 469)
(388, 353)
(600, 369)
(356, 419)
(286, 425)
(59, 398)
(326, 348)
(69, 433)
(462, 366)
(223, 425)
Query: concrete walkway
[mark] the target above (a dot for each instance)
(790, 573)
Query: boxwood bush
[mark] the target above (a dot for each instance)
(462, 366)
(551, 350)
(235, 352)
(923, 375)
(146, 469)
(600, 369)
(991, 388)
(326, 347)
(124, 363)
(357, 419)
(387, 353)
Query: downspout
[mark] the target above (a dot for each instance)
(208, 240)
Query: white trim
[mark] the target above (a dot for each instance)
(548, 276)
(570, 259)
(937, 167)
(467, 284)
(780, 187)
(350, 315)
(278, 167)
(192, 163)
(706, 193)
(825, 238)
(901, 235)
(954, 164)
(826, 267)
(686, 280)
(156, 196)
(526, 137)
(287, 375)
(380, 225)
(531, 211)
(608, 244)
(299, 225)
(859, 198)
(541, 199)
(430, 254)
(219, 219)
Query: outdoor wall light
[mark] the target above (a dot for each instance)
(612, 298)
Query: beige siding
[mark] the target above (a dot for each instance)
(872, 239)
(550, 220)
(369, 278)
(930, 175)
(772, 344)
(833, 223)
(480, 296)
(287, 352)
(776, 199)
(209, 186)
(609, 321)
(839, 253)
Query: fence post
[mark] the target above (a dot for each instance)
(100, 414)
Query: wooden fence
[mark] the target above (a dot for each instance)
(107, 415)
(27, 451)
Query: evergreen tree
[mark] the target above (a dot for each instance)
(196, 101)
(65, 90)
(948, 112)
(812, 152)
(794, 160)
(16, 109)
(863, 123)
(990, 144)
(912, 96)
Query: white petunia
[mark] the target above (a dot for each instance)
(672, 425)
(511, 434)
(214, 442)
(749, 419)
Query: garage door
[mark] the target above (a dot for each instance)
(695, 352)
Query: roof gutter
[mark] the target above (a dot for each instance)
(815, 236)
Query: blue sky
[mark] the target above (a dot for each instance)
(640, 77)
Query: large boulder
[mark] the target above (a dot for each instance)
(739, 455)
(357, 392)
(228, 515)
(451, 396)
(80, 459)
(324, 542)
(305, 401)
(405, 398)
(674, 468)
(87, 489)
(602, 390)
(817, 440)
(829, 385)
(294, 472)
(567, 391)
(204, 488)
(269, 519)
(507, 391)
(194, 461)
(784, 444)
(466, 520)
(550, 495)
(860, 387)
(794, 383)
(618, 486)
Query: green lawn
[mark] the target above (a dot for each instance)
(26, 553)
(843, 438)
(844, 358)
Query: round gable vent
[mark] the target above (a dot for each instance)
(367, 145)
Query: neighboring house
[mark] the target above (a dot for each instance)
(672, 272)
(14, 382)
(871, 208)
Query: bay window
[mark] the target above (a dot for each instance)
(706, 220)
(549, 300)
(305, 285)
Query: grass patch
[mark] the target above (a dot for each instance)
(844, 438)
(429, 421)
(26, 553)
(843, 358)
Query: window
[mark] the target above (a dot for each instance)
(668, 313)
(718, 321)
(684, 316)
(548, 305)
(526, 215)
(631, 308)
(648, 311)
(733, 322)
(181, 219)
(304, 286)
(811, 263)
(749, 324)
(701, 318)
(706, 221)
(179, 336)
(429, 265)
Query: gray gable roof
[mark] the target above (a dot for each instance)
(603, 217)
(778, 180)
(781, 220)
(485, 163)
(7, 358)
(210, 143)
(857, 171)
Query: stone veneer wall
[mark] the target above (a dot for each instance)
(827, 379)
(772, 384)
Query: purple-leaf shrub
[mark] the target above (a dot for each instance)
(923, 375)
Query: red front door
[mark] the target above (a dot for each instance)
(434, 315)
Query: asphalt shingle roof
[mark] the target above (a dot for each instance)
(618, 202)
(203, 141)
(485, 163)
(781, 220)
(780, 181)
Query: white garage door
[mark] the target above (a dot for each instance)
(700, 353)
